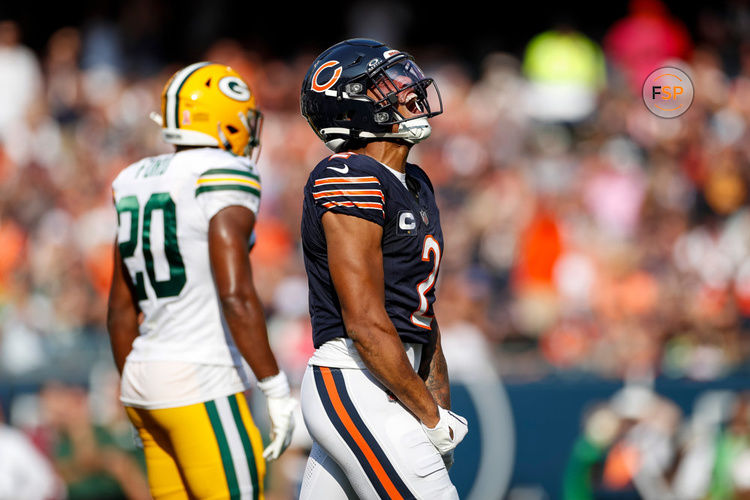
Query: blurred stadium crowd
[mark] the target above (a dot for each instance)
(584, 235)
(639, 444)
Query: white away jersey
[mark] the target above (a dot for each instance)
(164, 204)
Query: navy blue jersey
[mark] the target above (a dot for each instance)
(359, 186)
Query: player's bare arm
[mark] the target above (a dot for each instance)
(228, 236)
(122, 312)
(434, 370)
(356, 264)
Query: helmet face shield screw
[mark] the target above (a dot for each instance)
(355, 88)
(381, 117)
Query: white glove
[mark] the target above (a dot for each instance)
(449, 431)
(281, 408)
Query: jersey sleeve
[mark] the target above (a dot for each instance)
(217, 188)
(348, 187)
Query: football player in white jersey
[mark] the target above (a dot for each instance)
(184, 319)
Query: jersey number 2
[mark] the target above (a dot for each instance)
(420, 317)
(163, 202)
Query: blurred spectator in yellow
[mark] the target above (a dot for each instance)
(565, 70)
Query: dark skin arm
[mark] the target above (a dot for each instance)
(228, 236)
(434, 370)
(355, 260)
(122, 312)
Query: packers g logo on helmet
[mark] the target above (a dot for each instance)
(207, 104)
(234, 88)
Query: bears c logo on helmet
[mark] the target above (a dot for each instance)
(331, 82)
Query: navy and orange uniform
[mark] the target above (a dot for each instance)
(360, 186)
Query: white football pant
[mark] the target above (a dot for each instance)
(366, 444)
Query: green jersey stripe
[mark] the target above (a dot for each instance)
(246, 444)
(227, 187)
(226, 455)
(231, 171)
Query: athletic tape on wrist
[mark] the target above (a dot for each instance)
(276, 386)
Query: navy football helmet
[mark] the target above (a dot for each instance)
(357, 90)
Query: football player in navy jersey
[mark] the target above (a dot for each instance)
(375, 396)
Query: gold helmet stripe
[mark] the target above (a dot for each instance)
(172, 111)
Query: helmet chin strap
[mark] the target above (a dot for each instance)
(335, 144)
(410, 131)
(413, 131)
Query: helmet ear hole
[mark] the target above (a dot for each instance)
(231, 129)
(345, 117)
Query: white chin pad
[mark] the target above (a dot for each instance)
(335, 144)
(414, 131)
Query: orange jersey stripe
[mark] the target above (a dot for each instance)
(342, 155)
(354, 432)
(336, 180)
(349, 192)
(358, 204)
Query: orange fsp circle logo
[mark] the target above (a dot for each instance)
(317, 87)
(668, 92)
